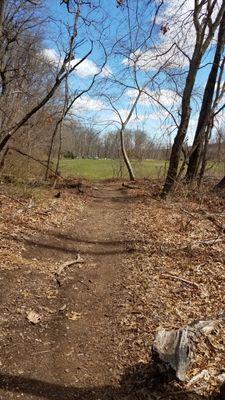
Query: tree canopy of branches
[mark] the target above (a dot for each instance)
(125, 70)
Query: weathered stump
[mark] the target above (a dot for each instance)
(176, 349)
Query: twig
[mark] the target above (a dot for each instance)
(68, 264)
(208, 241)
(130, 186)
(187, 212)
(38, 161)
(12, 198)
(180, 279)
(83, 283)
(211, 218)
(41, 352)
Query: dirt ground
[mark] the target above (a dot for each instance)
(97, 317)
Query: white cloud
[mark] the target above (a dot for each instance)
(176, 28)
(161, 57)
(192, 128)
(144, 99)
(136, 117)
(160, 116)
(52, 56)
(89, 68)
(86, 69)
(177, 31)
(87, 104)
(106, 71)
(165, 96)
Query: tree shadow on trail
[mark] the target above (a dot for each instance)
(137, 383)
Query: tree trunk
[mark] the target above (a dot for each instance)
(50, 149)
(220, 185)
(125, 156)
(27, 117)
(2, 6)
(205, 113)
(203, 157)
(182, 129)
(201, 45)
(2, 162)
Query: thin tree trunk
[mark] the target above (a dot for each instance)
(59, 153)
(2, 7)
(58, 80)
(204, 152)
(35, 159)
(182, 129)
(2, 162)
(220, 185)
(125, 156)
(206, 107)
(203, 41)
(5, 139)
(50, 149)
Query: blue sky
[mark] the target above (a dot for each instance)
(94, 107)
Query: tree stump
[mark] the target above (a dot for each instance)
(176, 349)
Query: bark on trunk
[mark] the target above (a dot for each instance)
(201, 46)
(205, 113)
(203, 157)
(26, 118)
(125, 156)
(220, 185)
(2, 162)
(2, 6)
(182, 129)
(58, 80)
(50, 149)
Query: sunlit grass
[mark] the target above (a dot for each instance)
(101, 169)
(108, 169)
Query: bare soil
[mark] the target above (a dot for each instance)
(98, 317)
(72, 352)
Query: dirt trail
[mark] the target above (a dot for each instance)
(73, 354)
(99, 317)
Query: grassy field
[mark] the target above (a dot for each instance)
(108, 169)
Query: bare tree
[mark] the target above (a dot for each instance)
(205, 28)
(205, 117)
(65, 70)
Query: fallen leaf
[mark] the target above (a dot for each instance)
(73, 316)
(33, 317)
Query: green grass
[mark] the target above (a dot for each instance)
(109, 169)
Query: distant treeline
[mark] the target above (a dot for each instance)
(81, 142)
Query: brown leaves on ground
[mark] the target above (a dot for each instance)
(176, 275)
(21, 220)
(27, 256)
(174, 271)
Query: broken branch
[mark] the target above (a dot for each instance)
(168, 275)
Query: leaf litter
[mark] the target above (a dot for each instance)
(176, 276)
(175, 273)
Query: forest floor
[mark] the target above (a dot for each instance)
(87, 279)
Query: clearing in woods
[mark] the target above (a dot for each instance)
(102, 169)
(96, 318)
